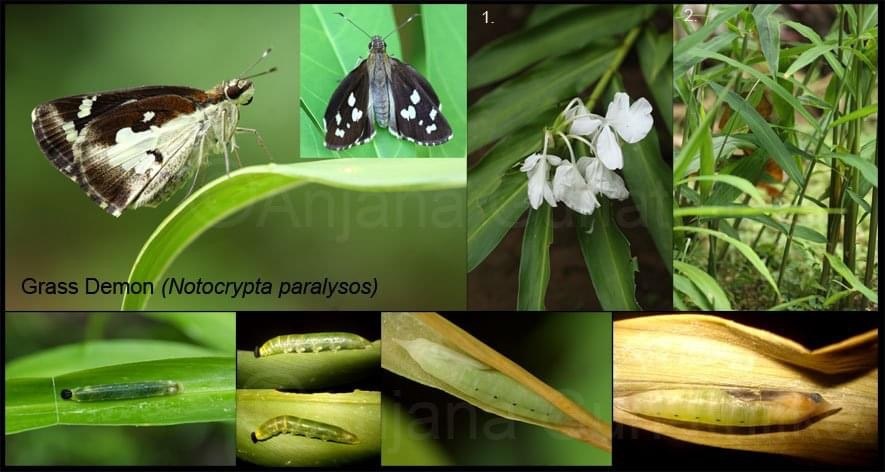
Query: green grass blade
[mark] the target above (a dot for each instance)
(534, 263)
(607, 256)
(684, 285)
(209, 329)
(226, 195)
(768, 28)
(490, 219)
(740, 183)
(852, 279)
(742, 211)
(207, 394)
(705, 283)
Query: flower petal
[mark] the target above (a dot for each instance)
(634, 123)
(605, 181)
(608, 150)
(530, 162)
(583, 122)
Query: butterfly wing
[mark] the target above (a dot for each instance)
(347, 121)
(416, 113)
(138, 153)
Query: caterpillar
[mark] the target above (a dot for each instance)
(121, 391)
(313, 342)
(302, 427)
(723, 407)
(482, 384)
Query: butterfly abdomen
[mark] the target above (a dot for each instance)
(379, 77)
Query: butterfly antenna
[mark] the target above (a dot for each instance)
(272, 69)
(354, 24)
(262, 56)
(404, 23)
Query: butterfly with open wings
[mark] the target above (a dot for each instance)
(389, 92)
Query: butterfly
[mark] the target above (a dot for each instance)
(136, 147)
(389, 92)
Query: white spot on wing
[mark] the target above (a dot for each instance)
(430, 128)
(337, 118)
(351, 100)
(414, 97)
(407, 113)
(356, 114)
(148, 116)
(339, 132)
(433, 114)
(420, 122)
(70, 131)
(86, 106)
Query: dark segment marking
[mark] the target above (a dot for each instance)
(158, 156)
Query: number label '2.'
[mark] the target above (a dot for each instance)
(312, 342)
(482, 384)
(296, 426)
(121, 391)
(726, 407)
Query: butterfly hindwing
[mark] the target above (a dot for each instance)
(348, 121)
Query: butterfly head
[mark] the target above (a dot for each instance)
(240, 91)
(377, 45)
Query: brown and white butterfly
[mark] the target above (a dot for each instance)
(135, 147)
(389, 92)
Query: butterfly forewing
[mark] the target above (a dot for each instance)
(416, 113)
(347, 120)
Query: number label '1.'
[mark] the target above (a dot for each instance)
(296, 426)
(482, 384)
(121, 391)
(724, 407)
(312, 342)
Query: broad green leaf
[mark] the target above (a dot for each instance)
(852, 279)
(534, 262)
(99, 353)
(357, 412)
(215, 330)
(332, 47)
(815, 39)
(705, 283)
(768, 140)
(807, 57)
(226, 195)
(207, 394)
(521, 100)
(490, 219)
(709, 27)
(687, 287)
(743, 248)
(607, 256)
(312, 371)
(768, 28)
(655, 59)
(867, 169)
(485, 177)
(572, 31)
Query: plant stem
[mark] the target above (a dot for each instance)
(874, 230)
(612, 67)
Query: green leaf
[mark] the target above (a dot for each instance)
(214, 330)
(490, 219)
(655, 60)
(521, 100)
(571, 31)
(651, 186)
(768, 26)
(799, 231)
(486, 177)
(334, 47)
(740, 183)
(534, 263)
(706, 284)
(607, 256)
(736, 211)
(815, 39)
(743, 248)
(768, 140)
(856, 115)
(207, 394)
(807, 57)
(707, 160)
(307, 372)
(100, 353)
(867, 169)
(709, 27)
(226, 195)
(682, 284)
(357, 412)
(852, 279)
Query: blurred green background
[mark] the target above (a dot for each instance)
(569, 351)
(187, 444)
(55, 232)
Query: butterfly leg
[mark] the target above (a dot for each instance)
(258, 139)
(200, 155)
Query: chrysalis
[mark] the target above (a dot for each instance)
(121, 391)
(302, 427)
(483, 384)
(312, 342)
(723, 407)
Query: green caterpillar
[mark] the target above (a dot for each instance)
(302, 427)
(312, 342)
(723, 407)
(121, 391)
(482, 384)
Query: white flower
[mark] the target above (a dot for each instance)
(583, 123)
(632, 123)
(537, 168)
(601, 179)
(571, 188)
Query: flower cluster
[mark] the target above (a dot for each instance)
(578, 181)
